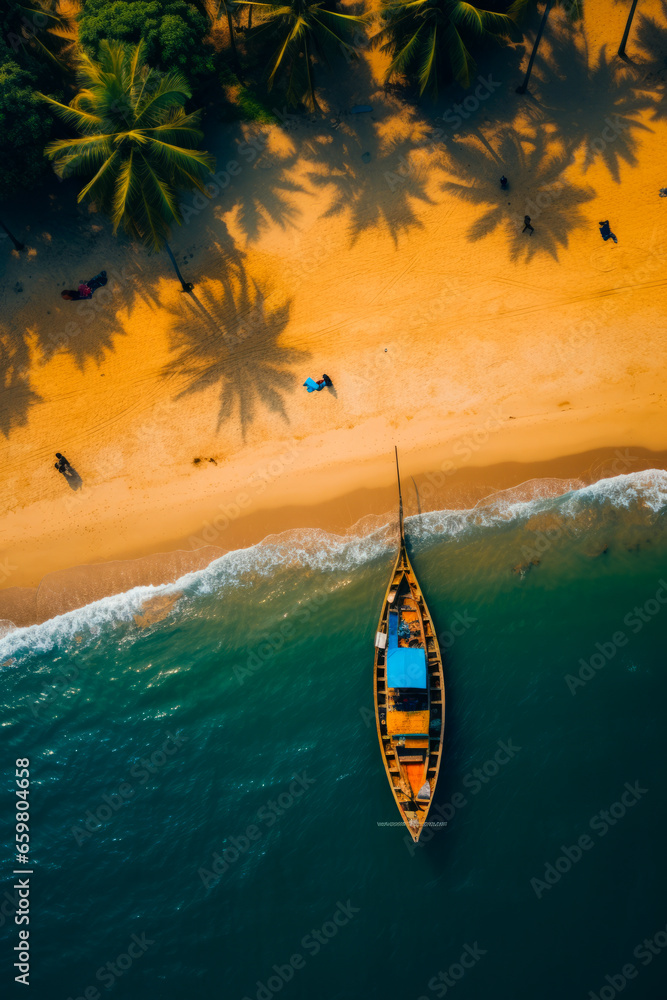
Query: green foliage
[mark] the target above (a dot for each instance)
(301, 30)
(34, 43)
(25, 127)
(37, 36)
(252, 109)
(432, 39)
(136, 145)
(173, 33)
(244, 105)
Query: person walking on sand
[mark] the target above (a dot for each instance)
(605, 231)
(503, 182)
(527, 225)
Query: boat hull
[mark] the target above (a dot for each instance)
(410, 723)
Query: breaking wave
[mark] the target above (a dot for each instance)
(374, 537)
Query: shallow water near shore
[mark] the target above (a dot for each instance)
(211, 782)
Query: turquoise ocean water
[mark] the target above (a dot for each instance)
(208, 803)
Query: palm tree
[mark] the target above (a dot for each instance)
(303, 29)
(628, 25)
(520, 8)
(432, 38)
(42, 26)
(214, 10)
(136, 143)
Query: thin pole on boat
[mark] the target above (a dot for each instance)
(400, 499)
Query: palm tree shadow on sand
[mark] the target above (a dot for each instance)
(536, 189)
(16, 394)
(377, 182)
(368, 170)
(230, 341)
(593, 104)
(267, 202)
(651, 66)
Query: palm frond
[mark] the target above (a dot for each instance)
(292, 36)
(136, 145)
(481, 22)
(100, 187)
(462, 63)
(519, 10)
(190, 161)
(126, 190)
(171, 91)
(134, 66)
(427, 71)
(163, 196)
(77, 118)
(403, 58)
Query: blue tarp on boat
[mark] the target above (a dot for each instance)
(392, 630)
(406, 668)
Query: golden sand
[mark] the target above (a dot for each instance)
(363, 247)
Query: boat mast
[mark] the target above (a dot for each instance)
(400, 499)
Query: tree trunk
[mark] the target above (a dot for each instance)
(628, 25)
(309, 71)
(17, 245)
(186, 285)
(232, 42)
(249, 16)
(545, 17)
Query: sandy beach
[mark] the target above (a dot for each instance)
(376, 247)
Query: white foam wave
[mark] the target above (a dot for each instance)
(644, 490)
(107, 611)
(316, 550)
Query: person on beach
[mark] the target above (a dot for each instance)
(317, 386)
(71, 476)
(503, 182)
(86, 288)
(527, 225)
(605, 231)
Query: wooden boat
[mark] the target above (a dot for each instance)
(409, 691)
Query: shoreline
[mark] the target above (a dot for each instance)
(72, 587)
(359, 246)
